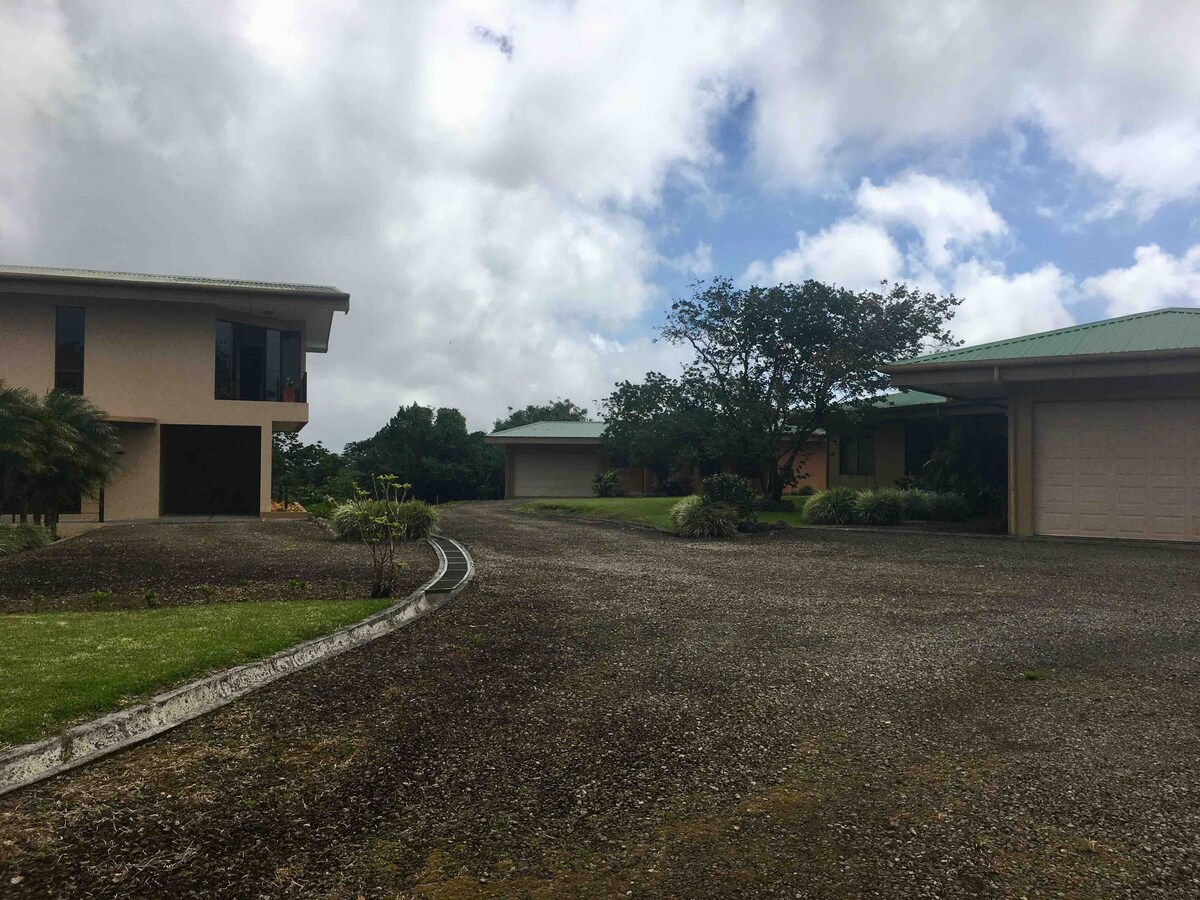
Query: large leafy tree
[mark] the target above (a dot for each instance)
(432, 450)
(658, 423)
(302, 472)
(775, 362)
(555, 411)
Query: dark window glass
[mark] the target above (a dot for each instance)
(920, 440)
(856, 454)
(289, 350)
(226, 386)
(68, 349)
(254, 363)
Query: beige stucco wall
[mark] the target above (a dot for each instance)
(142, 360)
(889, 460)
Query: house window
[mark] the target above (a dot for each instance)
(68, 349)
(254, 363)
(856, 454)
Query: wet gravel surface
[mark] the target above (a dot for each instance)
(611, 711)
(114, 567)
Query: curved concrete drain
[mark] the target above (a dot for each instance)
(84, 743)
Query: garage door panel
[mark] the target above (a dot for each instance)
(1118, 469)
(556, 473)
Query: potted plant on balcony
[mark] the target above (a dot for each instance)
(290, 388)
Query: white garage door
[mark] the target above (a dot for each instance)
(1128, 469)
(559, 473)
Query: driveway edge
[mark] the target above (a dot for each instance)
(115, 731)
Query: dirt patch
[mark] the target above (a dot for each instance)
(612, 711)
(158, 564)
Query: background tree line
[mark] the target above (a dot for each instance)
(430, 448)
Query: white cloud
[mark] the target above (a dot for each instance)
(37, 68)
(853, 254)
(997, 305)
(943, 213)
(1156, 279)
(698, 262)
(478, 174)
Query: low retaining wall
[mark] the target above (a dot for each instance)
(84, 743)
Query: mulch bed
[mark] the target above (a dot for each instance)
(610, 712)
(114, 567)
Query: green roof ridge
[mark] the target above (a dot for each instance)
(1054, 332)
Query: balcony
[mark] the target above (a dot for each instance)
(259, 364)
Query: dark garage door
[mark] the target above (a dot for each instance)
(210, 469)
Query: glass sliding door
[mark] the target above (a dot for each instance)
(256, 363)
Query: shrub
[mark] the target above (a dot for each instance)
(697, 516)
(918, 504)
(15, 538)
(607, 484)
(835, 506)
(357, 519)
(732, 490)
(945, 506)
(807, 491)
(320, 508)
(879, 508)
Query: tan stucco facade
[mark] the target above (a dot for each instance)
(148, 362)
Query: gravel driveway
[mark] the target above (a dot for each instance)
(611, 711)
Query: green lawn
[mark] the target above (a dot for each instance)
(55, 667)
(642, 510)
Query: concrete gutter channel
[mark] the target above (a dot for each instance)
(93, 740)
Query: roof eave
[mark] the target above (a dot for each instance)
(903, 368)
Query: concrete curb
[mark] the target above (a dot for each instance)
(85, 743)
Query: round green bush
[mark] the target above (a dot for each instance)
(945, 506)
(355, 519)
(835, 506)
(917, 504)
(880, 507)
(732, 490)
(696, 516)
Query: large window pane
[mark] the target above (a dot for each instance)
(68, 349)
(226, 388)
(273, 386)
(254, 363)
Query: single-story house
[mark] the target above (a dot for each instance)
(560, 459)
(1102, 420)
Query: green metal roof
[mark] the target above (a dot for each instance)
(1159, 330)
(554, 430)
(181, 280)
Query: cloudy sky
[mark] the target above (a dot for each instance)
(513, 191)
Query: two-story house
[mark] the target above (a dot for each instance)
(195, 373)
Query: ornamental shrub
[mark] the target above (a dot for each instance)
(14, 538)
(918, 504)
(696, 516)
(835, 506)
(735, 491)
(879, 508)
(357, 519)
(945, 506)
(607, 484)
